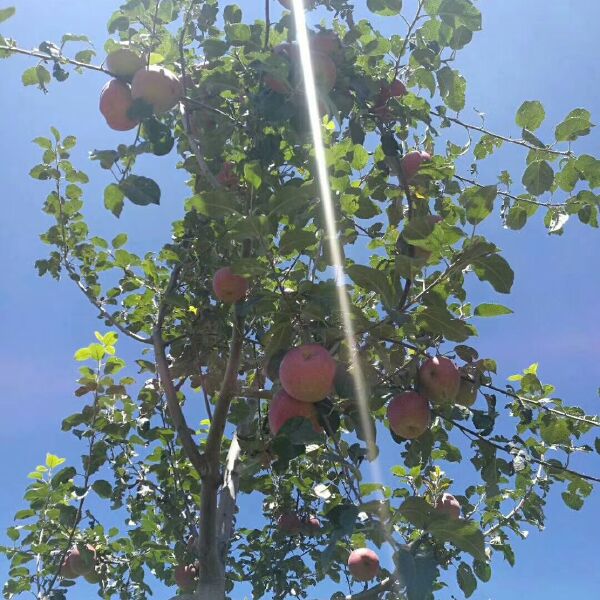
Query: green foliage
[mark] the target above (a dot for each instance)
(255, 204)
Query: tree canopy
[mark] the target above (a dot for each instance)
(313, 299)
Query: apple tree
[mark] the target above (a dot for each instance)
(310, 306)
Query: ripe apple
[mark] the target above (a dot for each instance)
(325, 42)
(307, 372)
(158, 87)
(421, 252)
(277, 84)
(283, 408)
(81, 563)
(229, 287)
(409, 415)
(311, 525)
(467, 391)
(124, 63)
(115, 102)
(363, 564)
(324, 70)
(412, 161)
(185, 577)
(66, 569)
(227, 176)
(448, 505)
(396, 89)
(439, 379)
(289, 523)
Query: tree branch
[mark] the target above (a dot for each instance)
(59, 58)
(373, 592)
(518, 142)
(595, 422)
(511, 196)
(538, 461)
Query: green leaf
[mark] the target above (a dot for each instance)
(453, 87)
(214, 204)
(141, 190)
(538, 178)
(113, 199)
(516, 218)
(119, 240)
(478, 202)
(102, 488)
(496, 270)
(83, 354)
(438, 320)
(554, 430)
(238, 34)
(531, 115)
(464, 534)
(53, 461)
(576, 124)
(296, 240)
(492, 310)
(483, 570)
(39, 76)
(372, 280)
(252, 173)
(466, 579)
(7, 13)
(460, 12)
(385, 8)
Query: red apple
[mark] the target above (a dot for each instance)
(81, 563)
(227, 176)
(229, 287)
(115, 101)
(307, 372)
(311, 525)
(396, 89)
(448, 505)
(409, 415)
(185, 577)
(124, 63)
(439, 379)
(66, 570)
(467, 391)
(412, 161)
(325, 42)
(283, 408)
(289, 523)
(278, 85)
(421, 252)
(158, 87)
(363, 564)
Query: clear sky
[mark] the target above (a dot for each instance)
(529, 49)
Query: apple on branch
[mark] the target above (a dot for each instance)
(439, 379)
(363, 564)
(409, 415)
(447, 504)
(229, 287)
(307, 372)
(283, 408)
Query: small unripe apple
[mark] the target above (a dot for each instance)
(229, 287)
(412, 161)
(158, 87)
(185, 577)
(124, 63)
(115, 102)
(448, 505)
(467, 391)
(289, 523)
(363, 564)
(409, 415)
(307, 372)
(284, 408)
(439, 379)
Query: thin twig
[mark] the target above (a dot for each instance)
(59, 58)
(518, 141)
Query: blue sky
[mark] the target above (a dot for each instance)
(530, 49)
